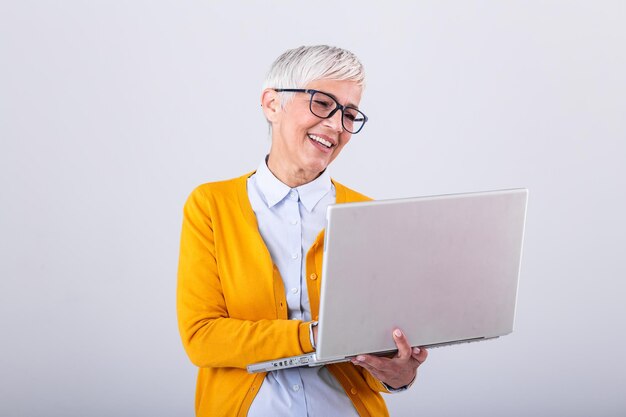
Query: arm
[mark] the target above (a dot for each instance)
(210, 335)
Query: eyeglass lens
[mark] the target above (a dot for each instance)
(322, 105)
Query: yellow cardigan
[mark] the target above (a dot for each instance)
(232, 308)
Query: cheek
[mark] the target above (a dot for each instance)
(345, 140)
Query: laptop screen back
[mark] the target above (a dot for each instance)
(443, 269)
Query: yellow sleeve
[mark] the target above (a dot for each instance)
(210, 336)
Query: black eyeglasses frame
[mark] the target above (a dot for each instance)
(331, 114)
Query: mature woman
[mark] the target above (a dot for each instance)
(250, 259)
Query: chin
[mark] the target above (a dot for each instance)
(319, 166)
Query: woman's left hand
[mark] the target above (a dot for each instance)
(399, 370)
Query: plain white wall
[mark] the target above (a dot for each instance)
(112, 112)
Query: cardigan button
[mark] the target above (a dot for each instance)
(353, 391)
(313, 276)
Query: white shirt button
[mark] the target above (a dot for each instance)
(294, 290)
(294, 222)
(293, 195)
(296, 388)
(294, 256)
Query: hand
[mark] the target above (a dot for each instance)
(398, 371)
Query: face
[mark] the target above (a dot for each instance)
(303, 145)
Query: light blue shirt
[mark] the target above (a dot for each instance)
(289, 221)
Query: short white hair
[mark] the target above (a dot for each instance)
(298, 67)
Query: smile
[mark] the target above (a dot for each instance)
(320, 140)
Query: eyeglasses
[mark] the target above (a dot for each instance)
(325, 106)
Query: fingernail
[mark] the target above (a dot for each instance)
(397, 333)
(416, 350)
(360, 358)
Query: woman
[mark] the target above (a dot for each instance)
(251, 250)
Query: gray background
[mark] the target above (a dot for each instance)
(112, 112)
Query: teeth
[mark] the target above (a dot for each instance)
(322, 141)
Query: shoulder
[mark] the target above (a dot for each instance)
(223, 187)
(219, 192)
(348, 195)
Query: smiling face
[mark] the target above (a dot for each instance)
(303, 145)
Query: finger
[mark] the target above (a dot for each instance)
(372, 362)
(395, 373)
(404, 348)
(374, 371)
(419, 354)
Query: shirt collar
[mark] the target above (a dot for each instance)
(275, 191)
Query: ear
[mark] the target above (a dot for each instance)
(270, 102)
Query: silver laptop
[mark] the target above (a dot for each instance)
(444, 269)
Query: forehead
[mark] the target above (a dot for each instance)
(345, 92)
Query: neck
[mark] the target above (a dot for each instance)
(290, 176)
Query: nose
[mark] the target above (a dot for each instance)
(334, 122)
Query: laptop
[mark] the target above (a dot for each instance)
(444, 269)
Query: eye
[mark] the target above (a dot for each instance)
(323, 103)
(351, 114)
